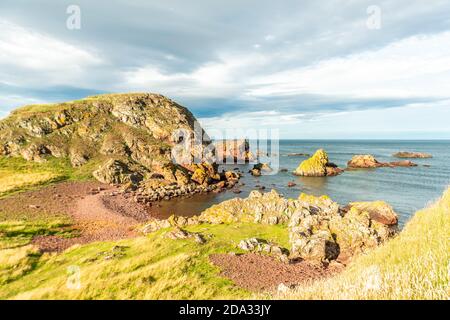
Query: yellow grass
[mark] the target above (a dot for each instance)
(415, 265)
(14, 181)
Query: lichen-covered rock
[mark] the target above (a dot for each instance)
(116, 172)
(317, 166)
(267, 208)
(318, 228)
(378, 210)
(262, 246)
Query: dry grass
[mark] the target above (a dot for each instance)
(415, 265)
(10, 182)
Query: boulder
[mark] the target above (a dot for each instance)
(317, 166)
(116, 172)
(378, 211)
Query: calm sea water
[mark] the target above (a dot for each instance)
(406, 189)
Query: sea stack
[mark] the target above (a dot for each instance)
(317, 166)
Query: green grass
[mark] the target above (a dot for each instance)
(15, 234)
(152, 267)
(414, 265)
(17, 174)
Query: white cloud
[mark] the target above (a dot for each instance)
(33, 53)
(416, 66)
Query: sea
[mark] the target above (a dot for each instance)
(406, 189)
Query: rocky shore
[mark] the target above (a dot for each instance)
(319, 228)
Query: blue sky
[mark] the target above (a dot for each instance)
(310, 69)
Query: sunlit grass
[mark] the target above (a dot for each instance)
(415, 265)
(17, 174)
(152, 267)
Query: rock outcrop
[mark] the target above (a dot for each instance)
(233, 151)
(368, 161)
(317, 166)
(318, 228)
(406, 154)
(259, 169)
(133, 138)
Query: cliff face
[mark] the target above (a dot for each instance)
(131, 135)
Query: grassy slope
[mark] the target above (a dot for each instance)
(152, 267)
(415, 265)
(17, 174)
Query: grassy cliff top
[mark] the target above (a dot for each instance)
(60, 106)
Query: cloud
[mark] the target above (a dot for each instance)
(32, 58)
(252, 61)
(408, 68)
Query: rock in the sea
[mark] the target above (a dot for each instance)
(364, 161)
(369, 161)
(233, 151)
(406, 154)
(317, 166)
(403, 163)
(179, 233)
(260, 168)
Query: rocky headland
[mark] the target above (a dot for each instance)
(132, 139)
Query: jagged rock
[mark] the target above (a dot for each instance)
(406, 154)
(317, 166)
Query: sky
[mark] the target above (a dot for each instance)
(306, 69)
